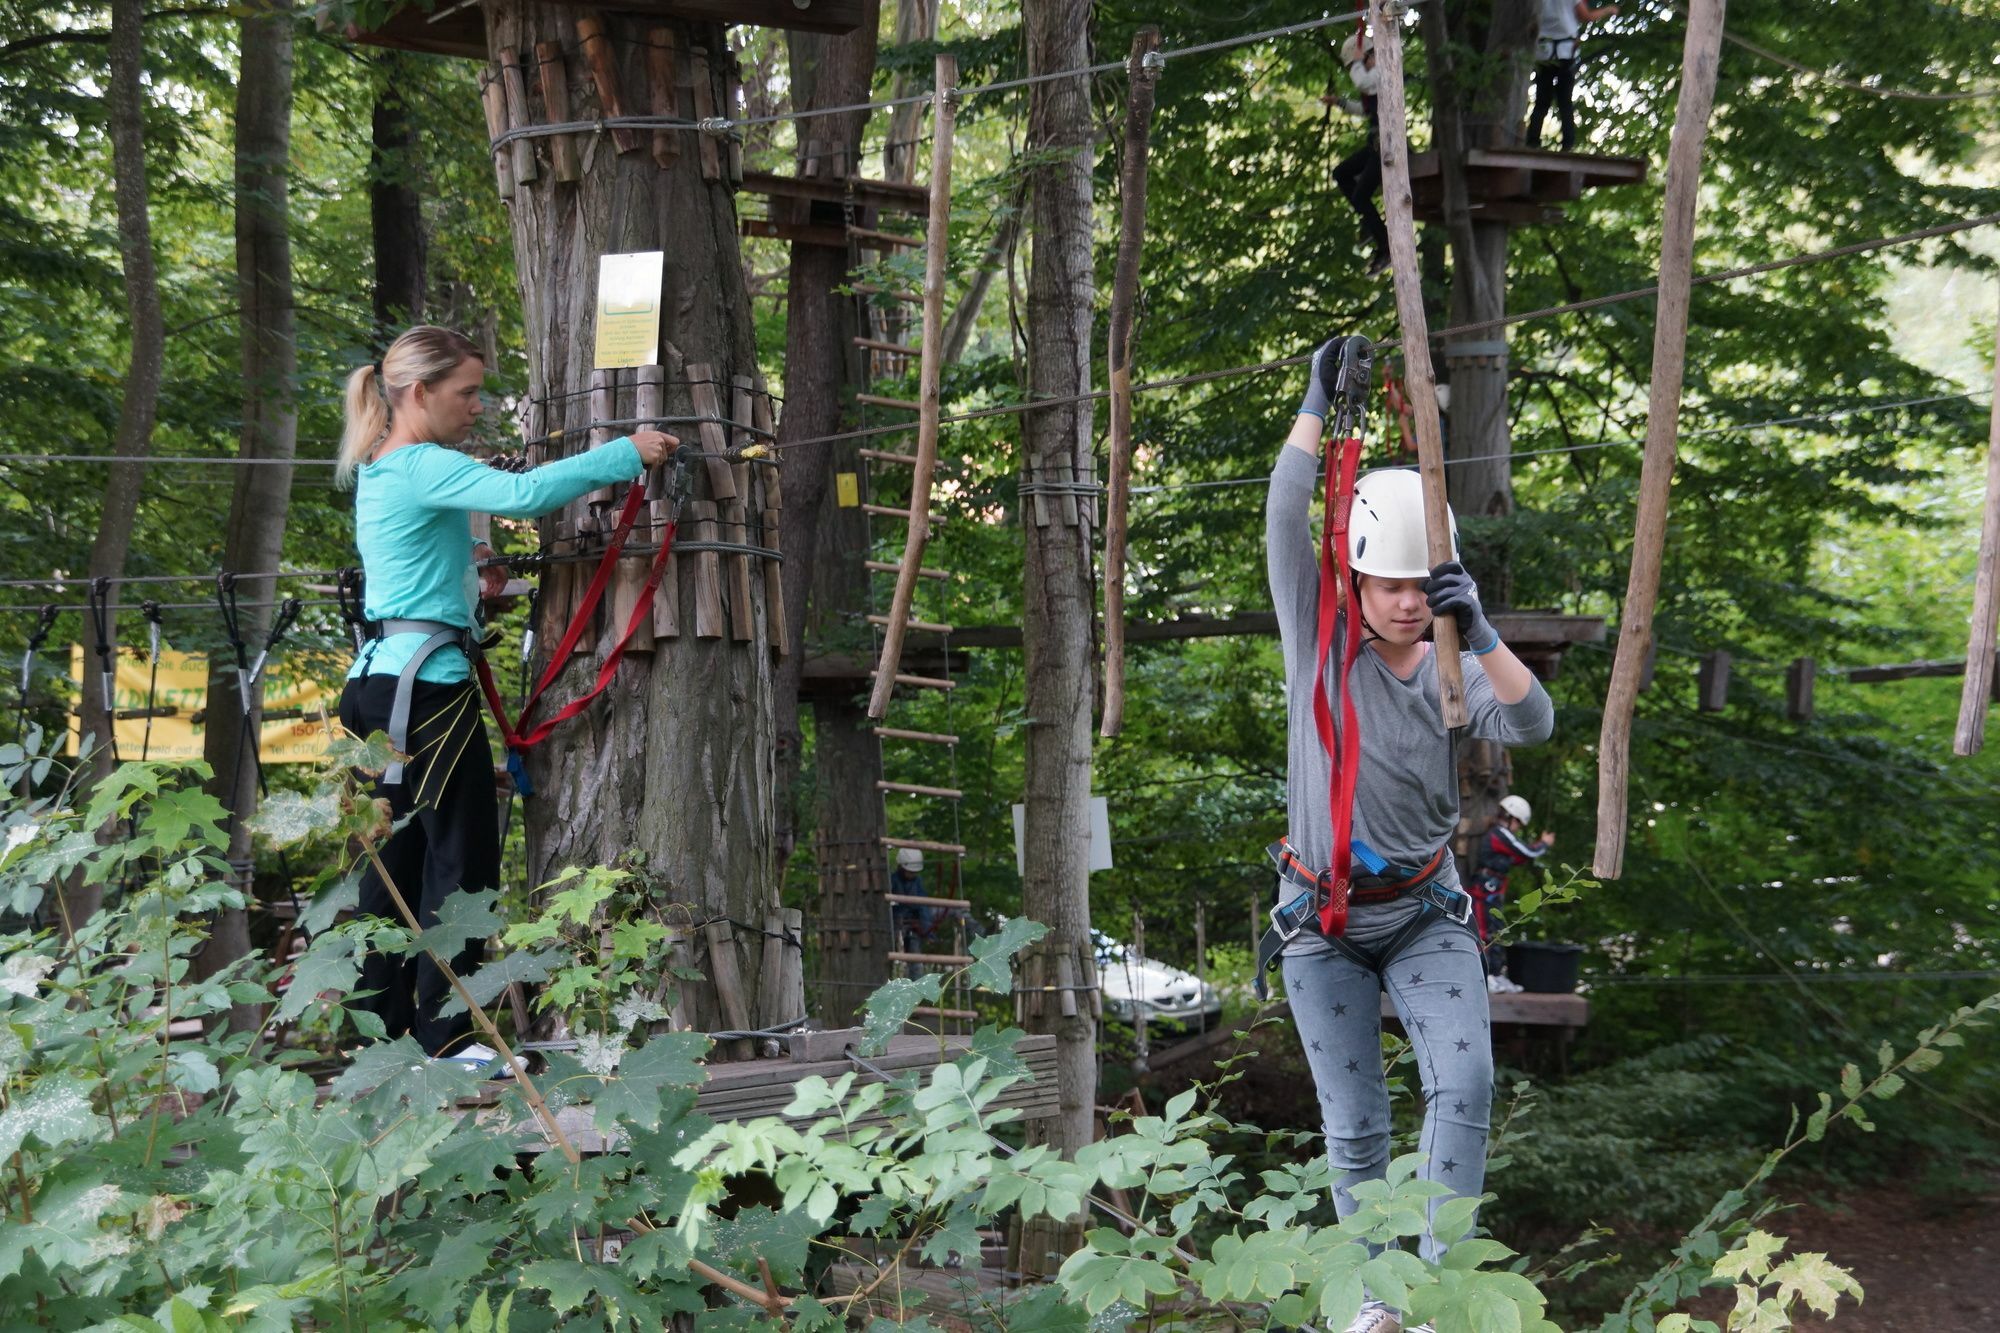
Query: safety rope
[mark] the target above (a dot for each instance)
(36, 639)
(151, 610)
(107, 667)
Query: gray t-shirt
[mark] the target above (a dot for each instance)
(1406, 794)
(1559, 22)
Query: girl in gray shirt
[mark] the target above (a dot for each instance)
(1405, 810)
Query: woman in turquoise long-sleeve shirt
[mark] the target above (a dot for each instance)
(414, 495)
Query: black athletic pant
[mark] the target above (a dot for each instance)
(452, 844)
(1555, 80)
(1359, 176)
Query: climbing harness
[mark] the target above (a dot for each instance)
(1324, 895)
(151, 610)
(36, 639)
(107, 669)
(349, 592)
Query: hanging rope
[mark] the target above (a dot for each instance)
(151, 610)
(36, 638)
(107, 667)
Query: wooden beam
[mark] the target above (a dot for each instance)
(603, 62)
(1979, 679)
(1712, 682)
(1139, 87)
(1419, 382)
(943, 117)
(894, 196)
(1877, 675)
(461, 32)
(1700, 55)
(1799, 682)
(554, 76)
(797, 233)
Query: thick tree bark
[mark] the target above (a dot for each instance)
(1059, 602)
(262, 496)
(125, 96)
(395, 207)
(820, 366)
(672, 770)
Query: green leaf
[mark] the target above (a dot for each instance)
(1043, 1310)
(568, 1283)
(461, 917)
(486, 984)
(1850, 1082)
(993, 954)
(57, 1110)
(1888, 1085)
(1886, 1054)
(328, 964)
(784, 1240)
(287, 818)
(891, 1005)
(1816, 1122)
(400, 1071)
(633, 1096)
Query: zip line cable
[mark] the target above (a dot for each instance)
(1888, 91)
(1208, 376)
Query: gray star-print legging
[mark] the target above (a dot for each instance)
(1438, 987)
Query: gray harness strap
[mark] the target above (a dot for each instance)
(441, 636)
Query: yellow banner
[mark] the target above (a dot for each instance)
(178, 702)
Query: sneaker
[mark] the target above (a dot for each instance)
(1498, 984)
(478, 1058)
(1375, 1317)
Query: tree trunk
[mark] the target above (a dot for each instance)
(257, 508)
(672, 770)
(820, 365)
(1059, 602)
(395, 209)
(125, 95)
(916, 21)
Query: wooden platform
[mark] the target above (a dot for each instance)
(1522, 186)
(893, 196)
(749, 1089)
(460, 29)
(1564, 1014)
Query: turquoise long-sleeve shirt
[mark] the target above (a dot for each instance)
(412, 527)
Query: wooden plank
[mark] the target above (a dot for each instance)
(889, 293)
(1139, 87)
(955, 849)
(890, 195)
(914, 682)
(919, 900)
(460, 32)
(707, 573)
(649, 405)
(884, 567)
(776, 630)
(932, 959)
(728, 983)
(1979, 675)
(907, 515)
(1799, 681)
(929, 737)
(1701, 54)
(663, 90)
(494, 102)
(871, 239)
(742, 614)
(603, 62)
(603, 407)
(798, 233)
(1712, 682)
(554, 79)
(918, 789)
(1419, 381)
(883, 345)
(516, 87)
(887, 456)
(704, 109)
(922, 626)
(877, 400)
(714, 436)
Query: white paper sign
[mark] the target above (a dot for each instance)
(628, 309)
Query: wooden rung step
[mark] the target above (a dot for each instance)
(870, 289)
(922, 626)
(956, 849)
(932, 737)
(933, 959)
(919, 682)
(884, 567)
(890, 511)
(877, 400)
(893, 349)
(887, 456)
(918, 900)
(918, 789)
(931, 1011)
(877, 239)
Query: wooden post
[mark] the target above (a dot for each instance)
(714, 438)
(1971, 733)
(936, 238)
(495, 103)
(1419, 380)
(1139, 81)
(604, 73)
(736, 517)
(1712, 682)
(1700, 55)
(516, 88)
(603, 407)
(704, 109)
(662, 54)
(629, 583)
(707, 573)
(1799, 682)
(555, 101)
(774, 504)
(728, 982)
(649, 404)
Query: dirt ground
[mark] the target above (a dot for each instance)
(1924, 1267)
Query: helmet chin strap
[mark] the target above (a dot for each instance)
(1369, 633)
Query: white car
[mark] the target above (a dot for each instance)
(1163, 993)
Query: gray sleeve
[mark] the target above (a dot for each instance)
(1528, 722)
(1289, 555)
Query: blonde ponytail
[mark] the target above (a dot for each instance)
(422, 355)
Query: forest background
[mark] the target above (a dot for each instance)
(1793, 893)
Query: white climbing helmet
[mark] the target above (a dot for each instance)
(909, 860)
(1385, 532)
(1518, 807)
(1355, 47)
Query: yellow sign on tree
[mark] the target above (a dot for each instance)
(628, 309)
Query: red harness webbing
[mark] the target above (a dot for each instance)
(1343, 748)
(512, 734)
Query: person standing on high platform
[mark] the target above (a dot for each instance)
(1555, 64)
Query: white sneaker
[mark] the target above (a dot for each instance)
(477, 1057)
(1375, 1317)
(1500, 985)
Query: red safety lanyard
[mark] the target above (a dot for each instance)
(514, 735)
(1343, 747)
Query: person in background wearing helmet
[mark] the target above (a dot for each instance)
(1504, 848)
(1555, 65)
(914, 922)
(1359, 174)
(1407, 927)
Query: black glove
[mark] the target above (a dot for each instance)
(1322, 375)
(1453, 593)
